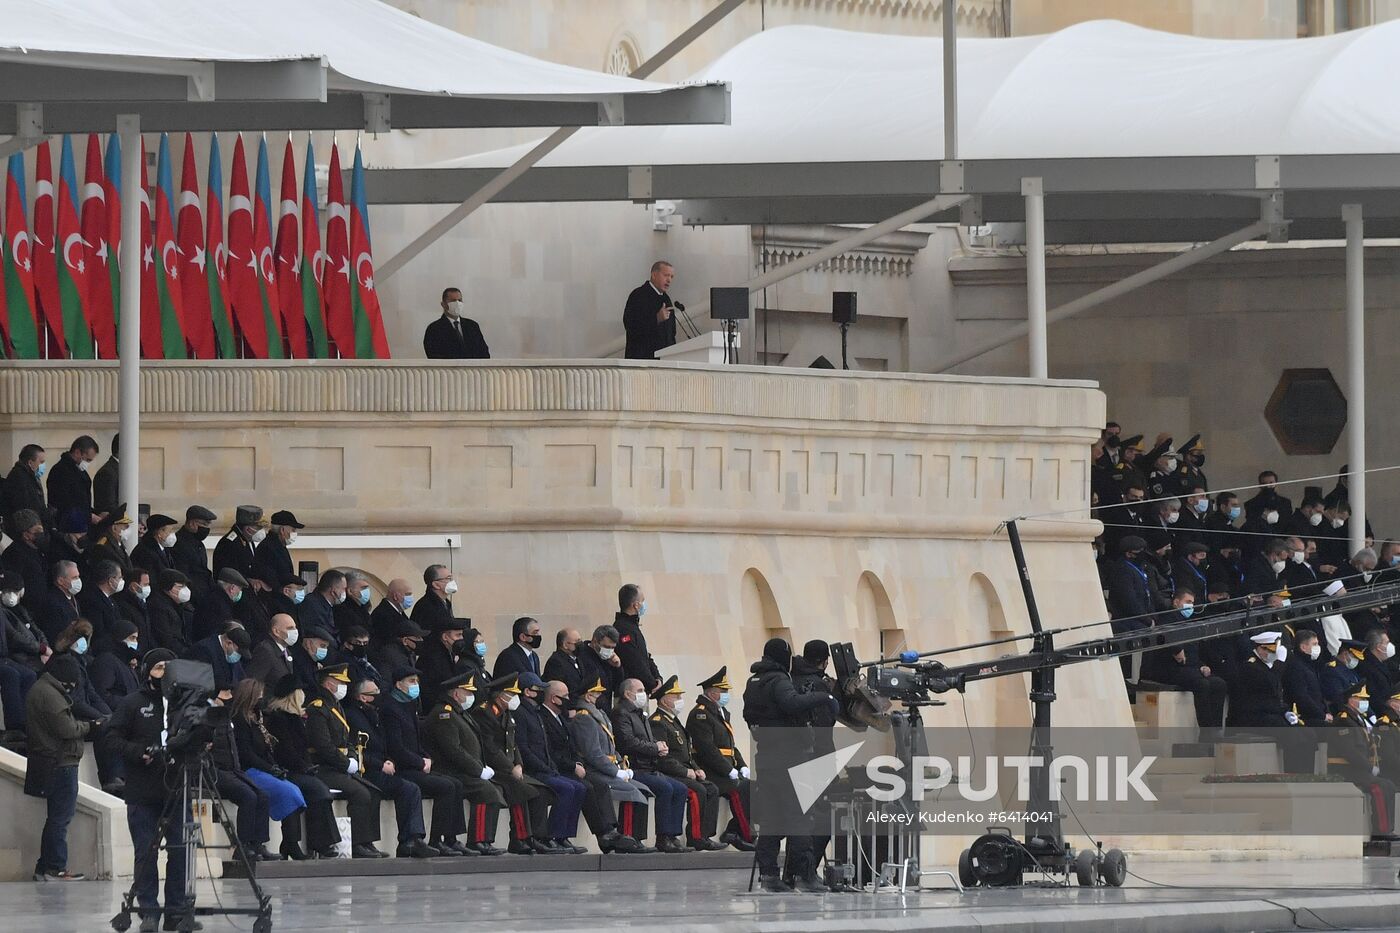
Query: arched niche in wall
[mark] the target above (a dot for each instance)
(878, 633)
(1007, 698)
(377, 587)
(761, 616)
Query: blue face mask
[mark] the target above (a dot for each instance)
(481, 649)
(408, 601)
(297, 597)
(233, 657)
(724, 699)
(364, 596)
(236, 596)
(39, 473)
(80, 646)
(642, 609)
(1202, 506)
(1187, 611)
(321, 653)
(1234, 513)
(1395, 560)
(413, 691)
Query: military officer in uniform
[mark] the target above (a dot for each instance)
(238, 548)
(1388, 737)
(337, 759)
(592, 733)
(712, 742)
(527, 798)
(456, 747)
(702, 797)
(1353, 751)
(1256, 702)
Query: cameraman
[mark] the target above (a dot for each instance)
(809, 677)
(136, 732)
(770, 701)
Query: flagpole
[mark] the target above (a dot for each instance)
(129, 333)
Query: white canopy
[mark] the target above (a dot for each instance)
(856, 120)
(66, 53)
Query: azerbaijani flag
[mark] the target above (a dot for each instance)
(313, 260)
(111, 187)
(98, 253)
(172, 317)
(45, 257)
(262, 243)
(193, 285)
(336, 277)
(72, 265)
(288, 260)
(15, 262)
(370, 340)
(216, 256)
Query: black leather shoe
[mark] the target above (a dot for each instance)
(520, 847)
(456, 846)
(292, 850)
(266, 856)
(773, 884)
(173, 921)
(366, 850)
(416, 848)
(567, 846)
(486, 848)
(707, 845)
(737, 841)
(544, 846)
(445, 849)
(327, 852)
(807, 884)
(669, 844)
(614, 841)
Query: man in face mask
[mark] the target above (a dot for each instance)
(55, 737)
(364, 716)
(1374, 669)
(310, 655)
(156, 549)
(318, 609)
(1185, 668)
(643, 753)
(680, 763)
(452, 336)
(521, 655)
(632, 644)
(413, 762)
(598, 662)
(1353, 752)
(219, 606)
(569, 790)
(113, 671)
(189, 554)
(1268, 499)
(443, 653)
(336, 753)
(1302, 685)
(353, 608)
(238, 548)
(96, 603)
(284, 594)
(1256, 701)
(1132, 592)
(172, 618)
(227, 652)
(436, 604)
(563, 664)
(354, 653)
(61, 609)
(272, 551)
(22, 488)
(70, 482)
(25, 557)
(399, 650)
(1299, 576)
(396, 604)
(272, 658)
(1264, 572)
(1334, 538)
(712, 740)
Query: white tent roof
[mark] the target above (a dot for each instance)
(67, 52)
(841, 126)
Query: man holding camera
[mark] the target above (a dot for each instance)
(136, 731)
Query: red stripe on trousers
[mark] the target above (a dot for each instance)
(481, 822)
(736, 804)
(1382, 809)
(693, 799)
(627, 819)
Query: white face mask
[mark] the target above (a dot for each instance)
(639, 700)
(259, 535)
(76, 586)
(143, 591)
(121, 585)
(1315, 519)
(168, 541)
(1315, 652)
(10, 600)
(468, 700)
(1363, 706)
(606, 653)
(1365, 578)
(1282, 652)
(454, 309)
(340, 691)
(183, 596)
(292, 538)
(1172, 517)
(291, 637)
(1171, 465)
(1271, 517)
(514, 702)
(450, 587)
(1389, 650)
(1278, 566)
(680, 705)
(130, 535)
(1299, 557)
(84, 465)
(1350, 661)
(1337, 523)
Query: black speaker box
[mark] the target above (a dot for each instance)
(729, 304)
(843, 307)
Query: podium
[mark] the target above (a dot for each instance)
(707, 348)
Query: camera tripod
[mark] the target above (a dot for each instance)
(197, 779)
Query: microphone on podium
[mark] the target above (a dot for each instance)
(689, 327)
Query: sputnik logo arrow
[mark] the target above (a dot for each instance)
(811, 778)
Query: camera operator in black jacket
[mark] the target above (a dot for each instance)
(771, 701)
(134, 732)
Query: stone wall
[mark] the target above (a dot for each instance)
(745, 501)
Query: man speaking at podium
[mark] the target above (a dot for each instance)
(650, 315)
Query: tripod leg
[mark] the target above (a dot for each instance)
(264, 902)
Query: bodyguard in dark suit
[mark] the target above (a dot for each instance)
(453, 337)
(22, 488)
(649, 316)
(70, 485)
(189, 554)
(107, 480)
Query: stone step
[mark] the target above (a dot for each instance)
(590, 862)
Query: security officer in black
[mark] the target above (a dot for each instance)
(336, 753)
(712, 742)
(702, 804)
(631, 643)
(134, 732)
(771, 701)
